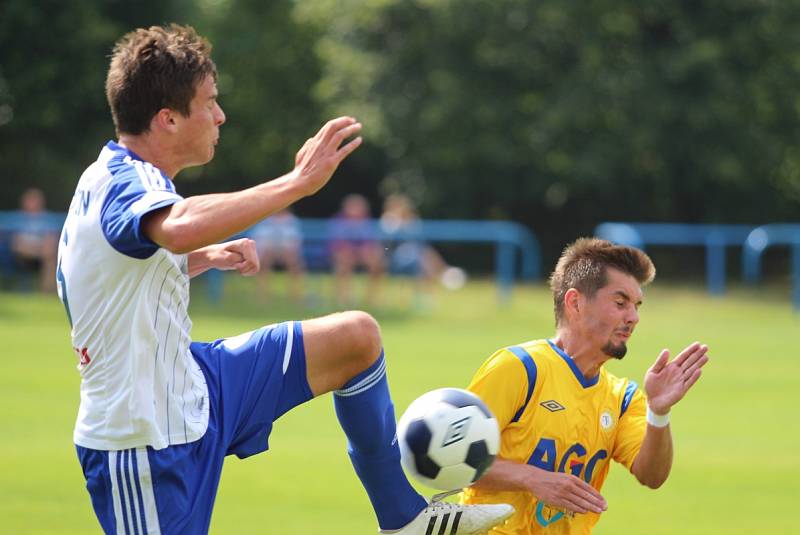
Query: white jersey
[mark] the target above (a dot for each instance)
(127, 300)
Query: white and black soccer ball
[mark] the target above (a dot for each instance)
(448, 438)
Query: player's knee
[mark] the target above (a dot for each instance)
(366, 338)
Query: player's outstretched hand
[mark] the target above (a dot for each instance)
(566, 491)
(240, 255)
(666, 382)
(319, 157)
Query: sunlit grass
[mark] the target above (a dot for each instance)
(736, 466)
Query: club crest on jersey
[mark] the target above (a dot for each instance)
(457, 431)
(552, 405)
(606, 420)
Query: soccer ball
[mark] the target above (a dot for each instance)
(448, 438)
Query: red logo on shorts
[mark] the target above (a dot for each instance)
(83, 355)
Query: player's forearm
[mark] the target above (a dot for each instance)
(200, 261)
(506, 475)
(196, 222)
(654, 461)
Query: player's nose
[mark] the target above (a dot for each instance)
(220, 116)
(633, 317)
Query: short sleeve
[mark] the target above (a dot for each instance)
(502, 383)
(632, 427)
(127, 201)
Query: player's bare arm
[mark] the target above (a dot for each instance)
(666, 383)
(553, 488)
(197, 222)
(239, 255)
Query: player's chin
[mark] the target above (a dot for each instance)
(617, 351)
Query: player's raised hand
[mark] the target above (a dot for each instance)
(666, 382)
(567, 491)
(319, 157)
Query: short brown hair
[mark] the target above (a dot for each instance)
(583, 265)
(155, 68)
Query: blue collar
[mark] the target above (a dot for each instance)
(116, 147)
(586, 383)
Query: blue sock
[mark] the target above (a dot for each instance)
(366, 413)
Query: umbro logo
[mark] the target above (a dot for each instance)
(552, 405)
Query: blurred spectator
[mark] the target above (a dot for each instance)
(279, 241)
(35, 244)
(413, 256)
(353, 246)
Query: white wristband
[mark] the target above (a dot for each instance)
(657, 420)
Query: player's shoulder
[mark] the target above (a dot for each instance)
(534, 349)
(127, 168)
(518, 357)
(620, 387)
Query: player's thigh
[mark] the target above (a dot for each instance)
(372, 257)
(338, 347)
(344, 257)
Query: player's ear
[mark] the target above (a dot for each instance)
(164, 119)
(572, 303)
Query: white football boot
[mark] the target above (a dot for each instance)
(455, 519)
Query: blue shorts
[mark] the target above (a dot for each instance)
(253, 379)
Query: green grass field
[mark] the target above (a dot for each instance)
(736, 469)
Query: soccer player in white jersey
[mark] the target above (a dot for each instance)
(159, 412)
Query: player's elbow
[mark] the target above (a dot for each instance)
(653, 484)
(653, 481)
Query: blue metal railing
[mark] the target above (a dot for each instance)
(715, 238)
(759, 240)
(508, 238)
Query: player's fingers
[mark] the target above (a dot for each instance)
(576, 505)
(345, 151)
(333, 126)
(686, 353)
(689, 383)
(249, 250)
(245, 268)
(693, 358)
(591, 495)
(661, 361)
(232, 257)
(345, 133)
(699, 363)
(590, 505)
(252, 258)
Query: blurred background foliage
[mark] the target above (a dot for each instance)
(555, 113)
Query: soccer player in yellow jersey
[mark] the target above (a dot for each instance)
(563, 418)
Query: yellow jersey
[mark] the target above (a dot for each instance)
(554, 418)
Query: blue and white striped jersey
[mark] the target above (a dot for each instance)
(127, 301)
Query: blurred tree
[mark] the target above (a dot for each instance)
(557, 113)
(53, 62)
(564, 113)
(266, 68)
